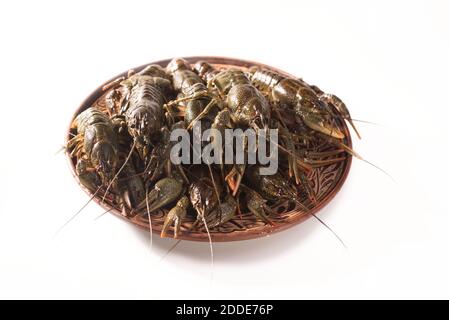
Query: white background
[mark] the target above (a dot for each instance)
(387, 60)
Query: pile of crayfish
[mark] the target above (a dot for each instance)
(122, 149)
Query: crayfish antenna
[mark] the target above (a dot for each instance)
(215, 185)
(63, 148)
(149, 219)
(330, 229)
(354, 127)
(170, 250)
(177, 243)
(211, 248)
(301, 163)
(101, 215)
(77, 213)
(355, 154)
(365, 121)
(118, 172)
(322, 222)
(379, 168)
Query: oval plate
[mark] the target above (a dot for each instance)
(326, 181)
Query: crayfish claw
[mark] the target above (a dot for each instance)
(164, 192)
(225, 212)
(318, 123)
(341, 108)
(175, 215)
(234, 177)
(256, 204)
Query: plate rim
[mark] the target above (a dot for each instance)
(253, 233)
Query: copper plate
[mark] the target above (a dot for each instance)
(327, 181)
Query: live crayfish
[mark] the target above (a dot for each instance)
(124, 143)
(308, 102)
(144, 95)
(95, 145)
